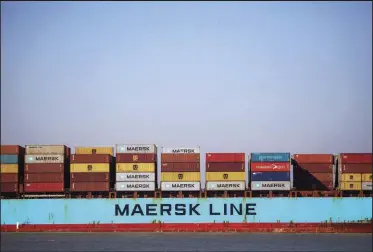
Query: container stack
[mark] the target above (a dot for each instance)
(225, 172)
(314, 172)
(46, 168)
(270, 172)
(355, 171)
(90, 169)
(11, 168)
(180, 169)
(136, 167)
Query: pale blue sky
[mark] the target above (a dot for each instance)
(229, 77)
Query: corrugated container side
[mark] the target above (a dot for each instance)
(308, 185)
(135, 186)
(9, 187)
(45, 149)
(225, 186)
(94, 150)
(12, 150)
(176, 158)
(180, 167)
(366, 186)
(314, 158)
(41, 168)
(180, 176)
(270, 157)
(90, 158)
(135, 177)
(9, 168)
(89, 186)
(225, 167)
(136, 158)
(270, 167)
(318, 168)
(350, 177)
(135, 167)
(43, 177)
(180, 186)
(44, 159)
(225, 176)
(270, 186)
(44, 187)
(350, 186)
(92, 167)
(225, 157)
(90, 177)
(181, 150)
(9, 159)
(136, 148)
(355, 168)
(270, 176)
(356, 158)
(8, 177)
(366, 177)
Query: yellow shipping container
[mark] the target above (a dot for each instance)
(350, 186)
(90, 168)
(94, 150)
(9, 168)
(135, 167)
(350, 177)
(367, 177)
(180, 176)
(225, 176)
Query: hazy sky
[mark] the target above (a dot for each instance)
(228, 77)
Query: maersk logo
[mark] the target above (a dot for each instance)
(135, 176)
(228, 185)
(280, 185)
(137, 148)
(183, 151)
(135, 186)
(41, 158)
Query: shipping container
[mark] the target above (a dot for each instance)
(44, 187)
(94, 150)
(367, 177)
(318, 176)
(270, 176)
(180, 176)
(92, 167)
(89, 187)
(135, 167)
(90, 177)
(12, 150)
(313, 185)
(225, 157)
(225, 186)
(45, 149)
(225, 167)
(44, 159)
(350, 186)
(136, 158)
(9, 159)
(270, 186)
(181, 150)
(180, 167)
(315, 167)
(180, 158)
(269, 167)
(8, 177)
(90, 158)
(9, 168)
(356, 168)
(136, 148)
(350, 177)
(314, 158)
(135, 186)
(9, 188)
(269, 157)
(135, 176)
(356, 158)
(366, 186)
(180, 186)
(43, 177)
(225, 176)
(41, 168)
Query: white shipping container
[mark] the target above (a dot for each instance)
(135, 176)
(180, 150)
(45, 149)
(270, 186)
(135, 186)
(180, 186)
(136, 148)
(225, 186)
(366, 186)
(44, 159)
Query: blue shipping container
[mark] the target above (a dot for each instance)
(270, 176)
(270, 157)
(9, 159)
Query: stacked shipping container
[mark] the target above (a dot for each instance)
(225, 172)
(11, 167)
(90, 169)
(46, 168)
(180, 169)
(136, 167)
(355, 171)
(314, 172)
(270, 172)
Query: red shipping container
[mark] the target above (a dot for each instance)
(44, 168)
(180, 158)
(180, 167)
(44, 187)
(90, 158)
(12, 150)
(136, 158)
(8, 177)
(269, 167)
(89, 186)
(9, 187)
(356, 158)
(90, 177)
(314, 158)
(225, 167)
(356, 168)
(315, 167)
(225, 157)
(43, 177)
(326, 176)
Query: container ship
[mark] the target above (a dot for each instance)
(46, 188)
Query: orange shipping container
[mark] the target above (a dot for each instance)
(12, 150)
(314, 158)
(180, 158)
